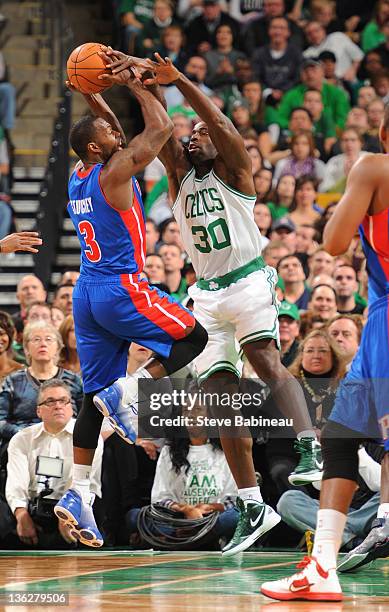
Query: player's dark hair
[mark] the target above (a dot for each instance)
(82, 133)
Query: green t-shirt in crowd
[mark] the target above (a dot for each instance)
(181, 291)
(142, 9)
(325, 127)
(371, 36)
(335, 101)
(182, 110)
(162, 186)
(277, 211)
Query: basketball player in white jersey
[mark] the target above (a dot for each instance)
(212, 188)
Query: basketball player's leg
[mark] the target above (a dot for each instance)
(218, 372)
(136, 312)
(374, 353)
(318, 578)
(255, 305)
(95, 347)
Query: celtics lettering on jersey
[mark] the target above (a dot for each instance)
(217, 225)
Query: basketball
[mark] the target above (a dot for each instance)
(84, 66)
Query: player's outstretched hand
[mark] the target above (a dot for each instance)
(21, 241)
(165, 71)
(116, 61)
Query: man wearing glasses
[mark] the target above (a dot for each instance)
(34, 454)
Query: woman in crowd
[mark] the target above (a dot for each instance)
(185, 468)
(256, 158)
(302, 160)
(252, 92)
(338, 167)
(263, 220)
(318, 369)
(240, 116)
(57, 317)
(42, 345)
(262, 184)
(282, 197)
(69, 357)
(304, 210)
(7, 333)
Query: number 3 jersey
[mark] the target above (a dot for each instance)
(112, 241)
(217, 225)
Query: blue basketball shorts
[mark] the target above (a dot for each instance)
(111, 313)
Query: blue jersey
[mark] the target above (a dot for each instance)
(113, 242)
(374, 232)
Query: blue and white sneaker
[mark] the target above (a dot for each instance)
(79, 517)
(109, 403)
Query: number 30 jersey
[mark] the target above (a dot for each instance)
(217, 225)
(112, 241)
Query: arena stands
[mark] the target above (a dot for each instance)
(304, 131)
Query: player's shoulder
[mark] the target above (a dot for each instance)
(372, 162)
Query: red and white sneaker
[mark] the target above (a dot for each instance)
(312, 583)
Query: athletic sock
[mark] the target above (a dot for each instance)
(328, 537)
(383, 511)
(250, 493)
(129, 384)
(81, 482)
(306, 433)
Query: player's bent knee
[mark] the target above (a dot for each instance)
(340, 452)
(198, 338)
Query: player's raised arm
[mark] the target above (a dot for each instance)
(172, 154)
(227, 140)
(143, 148)
(100, 108)
(354, 204)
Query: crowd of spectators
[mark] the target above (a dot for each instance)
(305, 84)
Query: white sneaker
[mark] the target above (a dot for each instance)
(312, 583)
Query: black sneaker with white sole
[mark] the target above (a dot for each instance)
(374, 546)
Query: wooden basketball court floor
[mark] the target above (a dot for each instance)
(175, 582)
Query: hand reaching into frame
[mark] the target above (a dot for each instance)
(20, 241)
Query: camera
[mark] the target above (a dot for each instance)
(40, 508)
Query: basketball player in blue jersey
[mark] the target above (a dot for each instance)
(361, 408)
(112, 305)
(211, 185)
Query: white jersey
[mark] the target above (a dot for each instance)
(217, 225)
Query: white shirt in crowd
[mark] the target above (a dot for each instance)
(334, 171)
(24, 448)
(342, 46)
(207, 481)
